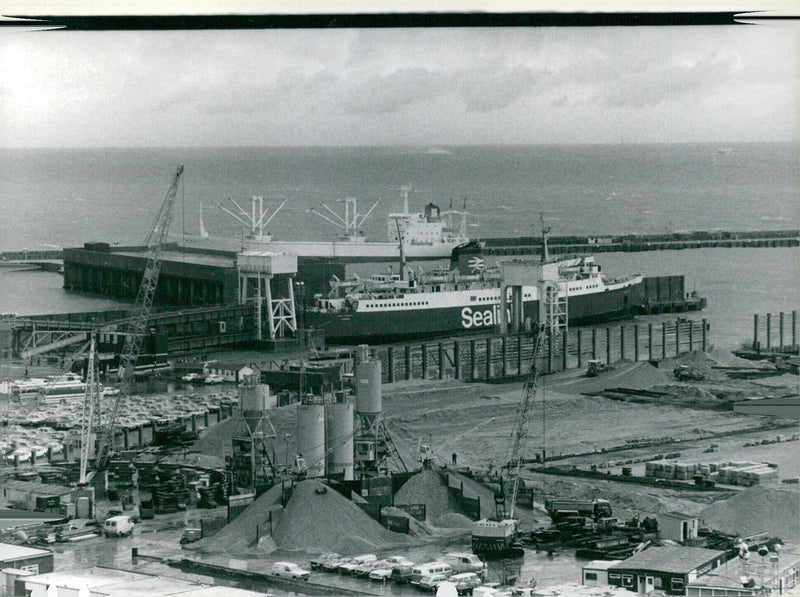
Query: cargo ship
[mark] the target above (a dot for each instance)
(428, 235)
(463, 298)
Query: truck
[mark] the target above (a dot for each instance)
(559, 509)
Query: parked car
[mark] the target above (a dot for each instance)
(398, 561)
(350, 566)
(191, 377)
(401, 574)
(365, 568)
(380, 574)
(429, 582)
(319, 562)
(333, 564)
(118, 526)
(465, 582)
(190, 535)
(289, 570)
(464, 562)
(214, 379)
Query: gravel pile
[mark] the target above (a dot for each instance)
(775, 511)
(239, 537)
(319, 518)
(453, 520)
(426, 488)
(216, 440)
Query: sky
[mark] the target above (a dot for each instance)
(442, 86)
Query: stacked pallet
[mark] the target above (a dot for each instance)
(730, 473)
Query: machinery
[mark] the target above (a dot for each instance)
(154, 244)
(686, 373)
(495, 537)
(596, 367)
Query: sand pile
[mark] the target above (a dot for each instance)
(775, 511)
(640, 376)
(319, 518)
(426, 488)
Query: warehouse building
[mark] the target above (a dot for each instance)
(668, 569)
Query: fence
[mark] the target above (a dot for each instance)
(496, 357)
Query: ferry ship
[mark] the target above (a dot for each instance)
(464, 299)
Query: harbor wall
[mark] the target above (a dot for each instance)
(496, 357)
(529, 245)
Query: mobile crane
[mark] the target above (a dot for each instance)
(495, 537)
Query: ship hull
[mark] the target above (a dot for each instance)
(357, 326)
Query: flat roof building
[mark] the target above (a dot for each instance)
(668, 569)
(110, 582)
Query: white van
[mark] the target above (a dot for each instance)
(118, 526)
(417, 572)
(464, 562)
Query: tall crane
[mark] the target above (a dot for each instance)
(495, 536)
(91, 410)
(154, 245)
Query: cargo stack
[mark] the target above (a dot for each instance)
(729, 473)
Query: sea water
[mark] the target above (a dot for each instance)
(63, 198)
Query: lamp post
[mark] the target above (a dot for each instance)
(286, 437)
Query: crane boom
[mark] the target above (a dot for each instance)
(524, 418)
(91, 401)
(144, 302)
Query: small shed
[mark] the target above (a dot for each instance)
(678, 527)
(668, 569)
(29, 495)
(595, 573)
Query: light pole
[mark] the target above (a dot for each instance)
(286, 437)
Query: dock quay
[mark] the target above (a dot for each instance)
(495, 357)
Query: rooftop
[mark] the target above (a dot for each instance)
(10, 552)
(123, 583)
(601, 564)
(38, 488)
(679, 560)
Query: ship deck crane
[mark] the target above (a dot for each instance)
(154, 245)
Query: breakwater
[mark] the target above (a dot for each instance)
(529, 245)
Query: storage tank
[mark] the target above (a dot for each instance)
(368, 387)
(311, 437)
(254, 401)
(339, 439)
